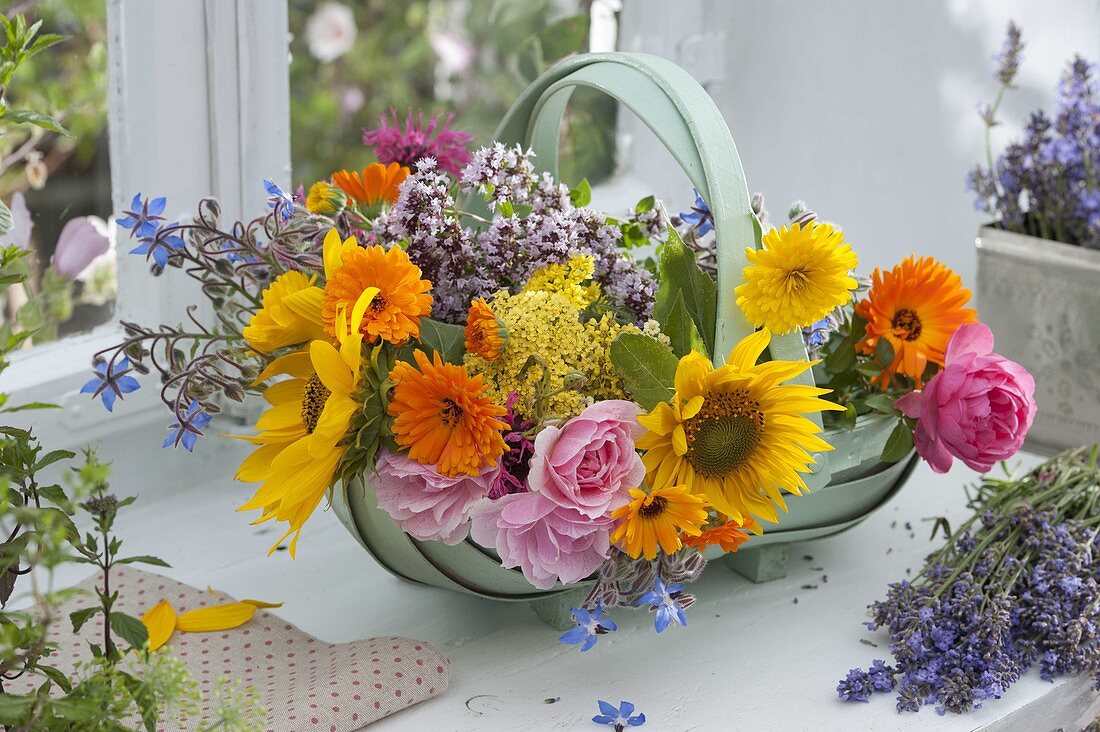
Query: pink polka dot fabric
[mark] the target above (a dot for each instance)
(304, 683)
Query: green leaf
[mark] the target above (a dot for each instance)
(581, 196)
(647, 368)
(143, 559)
(898, 444)
(34, 405)
(6, 220)
(847, 419)
(681, 330)
(58, 677)
(680, 274)
(130, 629)
(842, 359)
(881, 403)
(645, 205)
(52, 457)
(80, 617)
(884, 352)
(14, 709)
(564, 37)
(31, 117)
(449, 341)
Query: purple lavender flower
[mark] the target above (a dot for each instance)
(1008, 60)
(856, 686)
(436, 140)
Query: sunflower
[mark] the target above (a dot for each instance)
(729, 535)
(916, 306)
(485, 334)
(736, 434)
(443, 417)
(277, 324)
(325, 199)
(377, 183)
(798, 276)
(657, 517)
(402, 300)
(301, 435)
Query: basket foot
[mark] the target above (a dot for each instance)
(760, 565)
(554, 610)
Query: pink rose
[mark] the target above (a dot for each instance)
(546, 541)
(427, 505)
(590, 462)
(978, 408)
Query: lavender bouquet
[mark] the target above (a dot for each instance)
(1047, 184)
(1017, 585)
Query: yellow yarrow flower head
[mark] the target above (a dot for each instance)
(798, 276)
(325, 199)
(568, 280)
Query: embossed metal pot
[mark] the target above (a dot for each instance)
(1042, 299)
(850, 482)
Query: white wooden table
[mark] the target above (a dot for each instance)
(751, 659)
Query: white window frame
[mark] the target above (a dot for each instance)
(198, 105)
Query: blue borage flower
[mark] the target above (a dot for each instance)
(667, 601)
(590, 624)
(279, 200)
(185, 432)
(111, 383)
(159, 246)
(620, 718)
(699, 217)
(143, 216)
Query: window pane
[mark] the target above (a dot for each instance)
(354, 62)
(58, 186)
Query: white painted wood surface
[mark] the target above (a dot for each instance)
(751, 658)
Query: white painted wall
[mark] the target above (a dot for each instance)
(864, 108)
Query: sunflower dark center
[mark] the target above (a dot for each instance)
(450, 413)
(907, 325)
(725, 433)
(653, 507)
(314, 397)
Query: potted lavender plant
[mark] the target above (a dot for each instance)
(1039, 259)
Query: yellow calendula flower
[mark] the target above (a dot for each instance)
(325, 199)
(571, 280)
(657, 518)
(736, 434)
(797, 277)
(301, 439)
(285, 319)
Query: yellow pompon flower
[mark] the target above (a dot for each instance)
(798, 276)
(736, 434)
(657, 518)
(376, 184)
(287, 317)
(917, 306)
(402, 298)
(729, 535)
(302, 436)
(485, 335)
(160, 623)
(567, 280)
(325, 199)
(442, 416)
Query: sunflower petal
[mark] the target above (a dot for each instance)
(160, 622)
(218, 617)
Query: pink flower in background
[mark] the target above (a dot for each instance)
(22, 224)
(546, 541)
(590, 463)
(82, 241)
(391, 144)
(978, 408)
(427, 505)
(331, 32)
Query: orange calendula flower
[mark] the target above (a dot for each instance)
(730, 535)
(658, 518)
(485, 334)
(402, 300)
(441, 414)
(376, 184)
(916, 306)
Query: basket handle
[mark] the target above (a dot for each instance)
(686, 121)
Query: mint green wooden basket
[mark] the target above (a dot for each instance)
(849, 483)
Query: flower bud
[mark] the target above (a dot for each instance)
(325, 199)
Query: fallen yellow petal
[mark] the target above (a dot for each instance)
(160, 621)
(262, 603)
(218, 617)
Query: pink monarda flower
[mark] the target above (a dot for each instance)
(546, 541)
(428, 506)
(978, 408)
(391, 144)
(590, 463)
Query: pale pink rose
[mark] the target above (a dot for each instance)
(81, 242)
(590, 463)
(978, 408)
(546, 541)
(428, 506)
